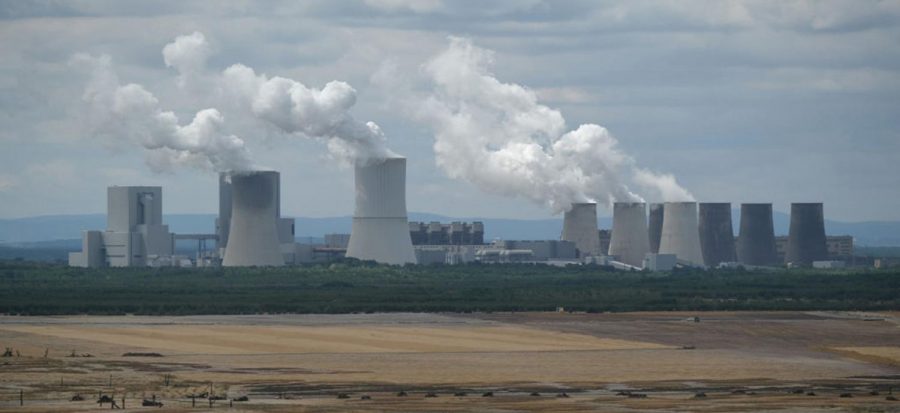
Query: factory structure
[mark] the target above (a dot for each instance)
(135, 235)
(250, 231)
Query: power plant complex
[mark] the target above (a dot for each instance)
(250, 231)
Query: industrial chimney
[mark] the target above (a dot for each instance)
(580, 227)
(716, 233)
(655, 226)
(680, 233)
(253, 230)
(380, 229)
(629, 241)
(756, 241)
(806, 240)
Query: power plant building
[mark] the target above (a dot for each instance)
(716, 233)
(680, 233)
(380, 229)
(839, 247)
(580, 227)
(630, 241)
(135, 234)
(454, 233)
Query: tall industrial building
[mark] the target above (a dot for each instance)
(630, 241)
(806, 240)
(680, 232)
(135, 234)
(380, 230)
(654, 226)
(716, 233)
(580, 227)
(253, 238)
(756, 239)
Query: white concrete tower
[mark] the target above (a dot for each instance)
(253, 231)
(680, 232)
(629, 241)
(580, 227)
(380, 229)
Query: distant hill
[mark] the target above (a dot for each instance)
(68, 227)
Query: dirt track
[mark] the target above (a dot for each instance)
(740, 361)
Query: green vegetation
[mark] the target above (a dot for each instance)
(344, 287)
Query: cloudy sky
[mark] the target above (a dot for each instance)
(757, 101)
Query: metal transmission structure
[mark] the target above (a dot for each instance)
(580, 227)
(253, 230)
(806, 240)
(629, 241)
(716, 233)
(756, 241)
(680, 233)
(655, 226)
(380, 229)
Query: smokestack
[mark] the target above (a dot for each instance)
(716, 233)
(253, 231)
(380, 228)
(680, 232)
(756, 242)
(629, 241)
(580, 227)
(806, 240)
(655, 226)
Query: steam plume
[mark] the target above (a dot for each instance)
(288, 105)
(499, 137)
(130, 111)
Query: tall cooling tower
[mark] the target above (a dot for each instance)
(223, 222)
(629, 241)
(655, 226)
(806, 240)
(253, 232)
(680, 233)
(380, 229)
(716, 233)
(580, 227)
(756, 241)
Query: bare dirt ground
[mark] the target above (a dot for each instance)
(510, 362)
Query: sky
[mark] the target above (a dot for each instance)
(740, 101)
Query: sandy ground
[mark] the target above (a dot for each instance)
(739, 361)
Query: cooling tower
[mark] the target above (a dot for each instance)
(716, 233)
(655, 226)
(380, 229)
(680, 233)
(253, 231)
(223, 222)
(580, 227)
(756, 242)
(806, 240)
(629, 241)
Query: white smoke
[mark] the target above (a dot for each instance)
(296, 109)
(288, 105)
(188, 55)
(132, 113)
(497, 136)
